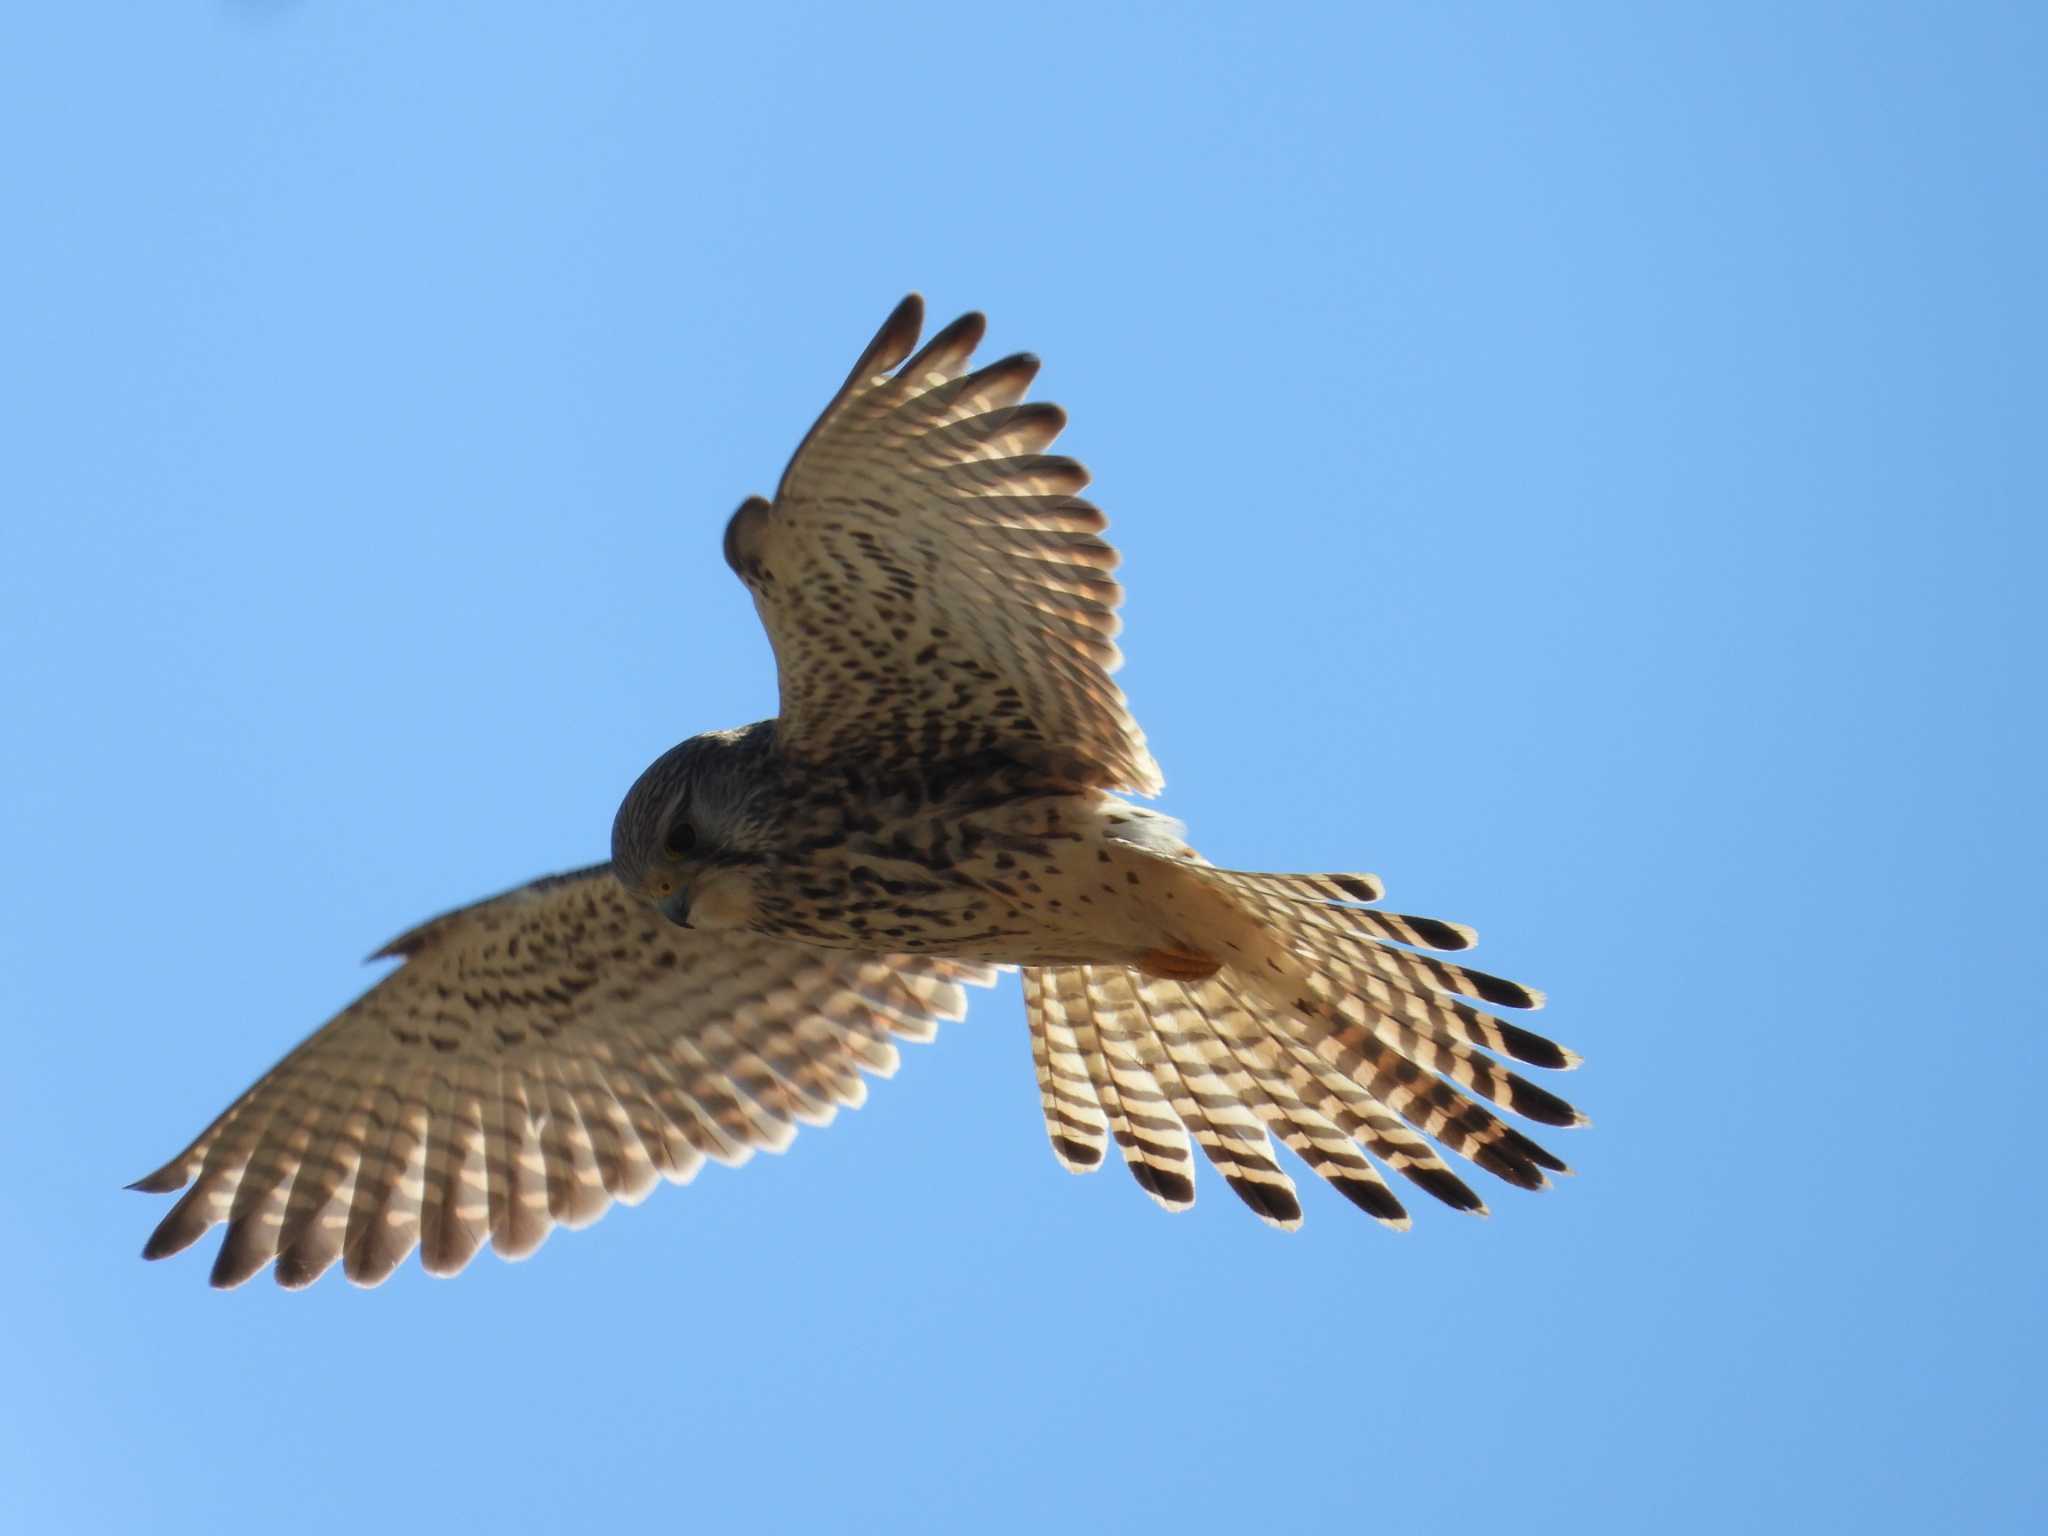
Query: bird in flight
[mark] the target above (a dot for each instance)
(935, 800)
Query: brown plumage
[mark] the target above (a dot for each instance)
(935, 799)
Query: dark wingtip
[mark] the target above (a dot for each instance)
(1437, 934)
(897, 336)
(1540, 1104)
(963, 334)
(1526, 1045)
(1273, 1202)
(1043, 413)
(1505, 1161)
(231, 1269)
(1371, 1197)
(162, 1182)
(293, 1272)
(891, 345)
(1501, 992)
(164, 1242)
(1447, 1187)
(1077, 1154)
(1536, 1152)
(1174, 1188)
(1025, 363)
(908, 314)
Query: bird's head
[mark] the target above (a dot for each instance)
(697, 825)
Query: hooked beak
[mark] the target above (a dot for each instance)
(712, 901)
(667, 895)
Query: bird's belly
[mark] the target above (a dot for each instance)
(1044, 881)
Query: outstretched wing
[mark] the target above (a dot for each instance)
(537, 1056)
(931, 584)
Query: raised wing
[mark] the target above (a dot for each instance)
(537, 1056)
(931, 584)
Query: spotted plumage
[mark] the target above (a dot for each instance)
(936, 798)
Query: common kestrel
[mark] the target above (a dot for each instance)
(935, 799)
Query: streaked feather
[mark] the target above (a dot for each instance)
(922, 527)
(1348, 1049)
(477, 1092)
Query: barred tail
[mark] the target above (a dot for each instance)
(1326, 1026)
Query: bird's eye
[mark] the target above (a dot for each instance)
(682, 837)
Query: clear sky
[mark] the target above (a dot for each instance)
(1581, 462)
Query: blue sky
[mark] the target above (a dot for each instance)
(1575, 461)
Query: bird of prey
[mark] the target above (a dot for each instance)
(936, 799)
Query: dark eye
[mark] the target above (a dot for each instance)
(682, 837)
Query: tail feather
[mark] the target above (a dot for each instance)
(1414, 987)
(1418, 974)
(1331, 890)
(1369, 1123)
(1074, 1117)
(1324, 928)
(1432, 1049)
(1152, 1139)
(1400, 927)
(1331, 901)
(1209, 1087)
(1435, 1108)
(1267, 1082)
(1317, 1030)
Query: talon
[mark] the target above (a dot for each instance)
(1178, 964)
